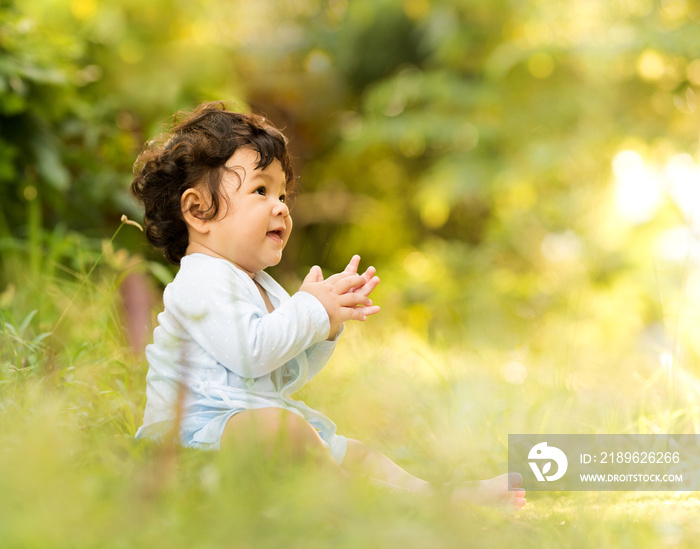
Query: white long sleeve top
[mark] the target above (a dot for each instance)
(217, 336)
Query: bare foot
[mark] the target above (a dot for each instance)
(493, 491)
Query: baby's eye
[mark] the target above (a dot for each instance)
(260, 190)
(283, 199)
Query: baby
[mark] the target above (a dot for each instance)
(232, 346)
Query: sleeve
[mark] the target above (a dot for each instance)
(319, 354)
(220, 314)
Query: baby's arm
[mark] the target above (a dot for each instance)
(345, 296)
(222, 314)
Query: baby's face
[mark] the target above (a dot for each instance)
(254, 223)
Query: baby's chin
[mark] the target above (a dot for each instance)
(273, 261)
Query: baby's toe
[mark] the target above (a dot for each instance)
(514, 480)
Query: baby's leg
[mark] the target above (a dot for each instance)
(277, 433)
(360, 459)
(363, 460)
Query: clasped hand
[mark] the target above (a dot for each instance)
(345, 296)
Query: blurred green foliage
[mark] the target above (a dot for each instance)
(466, 148)
(524, 175)
(461, 132)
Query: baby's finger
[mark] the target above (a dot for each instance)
(346, 284)
(350, 270)
(368, 274)
(353, 265)
(333, 279)
(313, 275)
(369, 287)
(352, 313)
(354, 299)
(368, 311)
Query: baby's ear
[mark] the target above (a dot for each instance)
(194, 208)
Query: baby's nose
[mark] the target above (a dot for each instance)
(281, 209)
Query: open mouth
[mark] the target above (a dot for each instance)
(277, 234)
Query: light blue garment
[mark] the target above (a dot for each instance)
(217, 338)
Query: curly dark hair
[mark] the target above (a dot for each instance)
(195, 152)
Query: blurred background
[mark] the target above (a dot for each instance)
(524, 175)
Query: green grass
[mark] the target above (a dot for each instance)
(71, 474)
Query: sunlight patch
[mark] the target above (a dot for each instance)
(637, 192)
